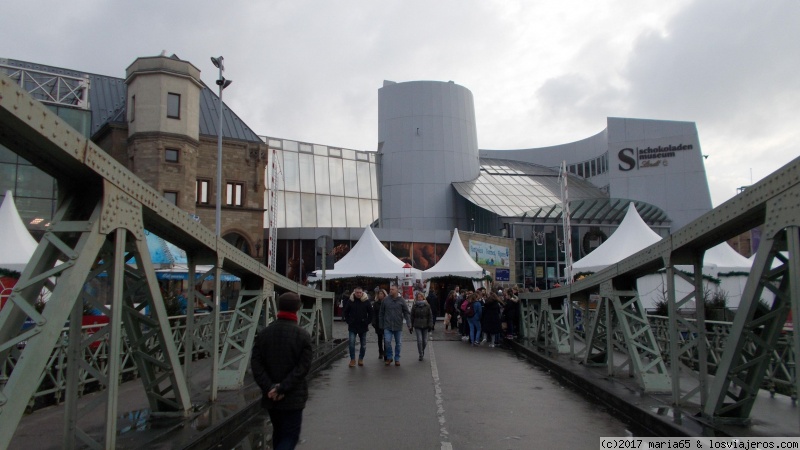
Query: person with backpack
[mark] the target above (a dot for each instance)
(421, 322)
(473, 313)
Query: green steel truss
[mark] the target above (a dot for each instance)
(239, 338)
(679, 324)
(620, 325)
(759, 322)
(98, 230)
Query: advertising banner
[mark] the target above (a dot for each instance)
(489, 254)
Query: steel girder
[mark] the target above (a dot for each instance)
(758, 322)
(678, 324)
(89, 246)
(621, 325)
(545, 324)
(556, 327)
(239, 338)
(85, 173)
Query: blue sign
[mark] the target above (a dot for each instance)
(502, 274)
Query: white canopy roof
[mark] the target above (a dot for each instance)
(631, 236)
(16, 243)
(455, 262)
(722, 258)
(368, 258)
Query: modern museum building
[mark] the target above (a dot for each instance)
(427, 176)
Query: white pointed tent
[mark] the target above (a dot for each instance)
(455, 262)
(368, 258)
(721, 263)
(631, 236)
(722, 258)
(16, 243)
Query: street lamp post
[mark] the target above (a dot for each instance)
(222, 83)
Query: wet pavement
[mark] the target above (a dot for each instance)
(460, 397)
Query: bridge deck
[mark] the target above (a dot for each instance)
(459, 397)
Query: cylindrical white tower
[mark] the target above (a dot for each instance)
(427, 140)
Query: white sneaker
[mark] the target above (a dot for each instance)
(483, 341)
(464, 338)
(491, 345)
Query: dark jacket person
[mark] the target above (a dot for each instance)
(358, 315)
(281, 360)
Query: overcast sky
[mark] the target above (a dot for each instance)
(541, 72)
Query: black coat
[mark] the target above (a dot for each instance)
(490, 322)
(282, 356)
(357, 314)
(433, 301)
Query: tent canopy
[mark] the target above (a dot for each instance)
(631, 236)
(368, 258)
(16, 243)
(455, 262)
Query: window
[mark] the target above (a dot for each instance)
(171, 155)
(234, 194)
(171, 197)
(202, 189)
(133, 108)
(173, 106)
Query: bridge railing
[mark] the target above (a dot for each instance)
(779, 378)
(781, 372)
(52, 381)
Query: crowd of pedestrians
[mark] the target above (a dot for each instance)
(479, 316)
(482, 316)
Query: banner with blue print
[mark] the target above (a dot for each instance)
(489, 254)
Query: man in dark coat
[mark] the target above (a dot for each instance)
(281, 360)
(357, 313)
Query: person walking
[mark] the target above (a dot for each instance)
(492, 324)
(280, 362)
(450, 317)
(433, 303)
(357, 313)
(474, 320)
(393, 311)
(376, 307)
(421, 322)
(511, 313)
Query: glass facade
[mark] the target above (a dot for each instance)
(320, 186)
(513, 188)
(34, 191)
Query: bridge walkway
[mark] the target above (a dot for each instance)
(460, 397)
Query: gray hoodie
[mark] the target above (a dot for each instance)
(392, 312)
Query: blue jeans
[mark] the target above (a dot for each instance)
(363, 338)
(474, 330)
(387, 342)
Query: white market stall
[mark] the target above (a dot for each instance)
(456, 262)
(368, 258)
(724, 271)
